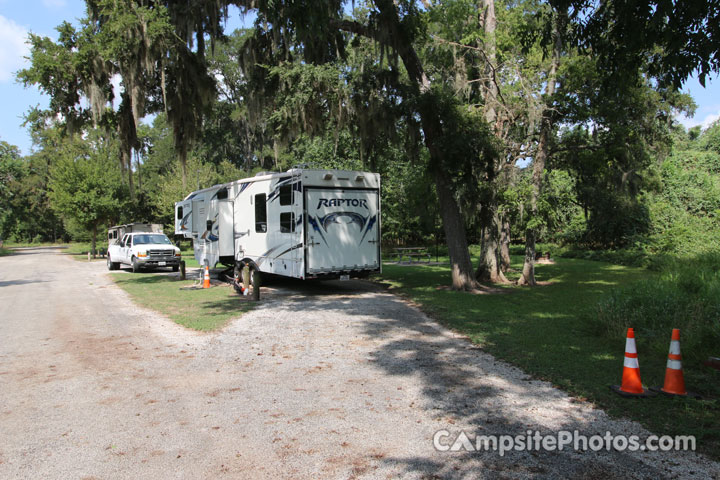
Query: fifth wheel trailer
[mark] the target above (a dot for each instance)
(303, 223)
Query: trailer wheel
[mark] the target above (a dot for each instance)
(135, 265)
(237, 278)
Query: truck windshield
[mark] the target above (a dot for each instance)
(151, 239)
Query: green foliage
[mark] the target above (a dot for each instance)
(11, 172)
(685, 296)
(25, 214)
(85, 184)
(710, 140)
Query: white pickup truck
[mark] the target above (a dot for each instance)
(143, 250)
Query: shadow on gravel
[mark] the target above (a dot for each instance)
(452, 373)
(33, 250)
(9, 283)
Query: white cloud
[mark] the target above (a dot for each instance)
(704, 122)
(14, 48)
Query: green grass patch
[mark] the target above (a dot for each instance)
(549, 331)
(5, 251)
(202, 309)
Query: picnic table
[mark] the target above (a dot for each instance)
(411, 253)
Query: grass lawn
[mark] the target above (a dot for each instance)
(202, 309)
(547, 331)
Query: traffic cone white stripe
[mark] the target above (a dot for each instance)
(630, 346)
(675, 347)
(674, 364)
(631, 362)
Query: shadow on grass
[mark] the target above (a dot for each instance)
(147, 277)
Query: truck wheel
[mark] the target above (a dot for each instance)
(135, 265)
(112, 265)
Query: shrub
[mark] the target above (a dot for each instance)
(686, 296)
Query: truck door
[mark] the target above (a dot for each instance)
(125, 249)
(342, 230)
(183, 217)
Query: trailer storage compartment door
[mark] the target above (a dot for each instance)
(342, 230)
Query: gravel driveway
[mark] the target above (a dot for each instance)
(334, 380)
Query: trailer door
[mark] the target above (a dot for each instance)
(342, 230)
(226, 234)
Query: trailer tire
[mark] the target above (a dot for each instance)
(135, 265)
(237, 280)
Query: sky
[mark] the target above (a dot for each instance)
(42, 16)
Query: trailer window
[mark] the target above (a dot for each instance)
(286, 195)
(287, 222)
(180, 213)
(260, 213)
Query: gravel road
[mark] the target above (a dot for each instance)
(336, 380)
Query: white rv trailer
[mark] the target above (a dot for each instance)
(116, 233)
(302, 223)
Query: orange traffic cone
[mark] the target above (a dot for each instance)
(674, 379)
(631, 384)
(206, 277)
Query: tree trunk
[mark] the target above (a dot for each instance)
(505, 245)
(453, 224)
(454, 227)
(489, 24)
(127, 161)
(182, 156)
(94, 239)
(546, 126)
(489, 267)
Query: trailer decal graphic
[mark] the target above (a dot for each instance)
(242, 189)
(316, 227)
(353, 217)
(339, 202)
(299, 245)
(370, 224)
(265, 255)
(276, 191)
(184, 221)
(209, 233)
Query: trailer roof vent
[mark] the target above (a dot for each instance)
(328, 176)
